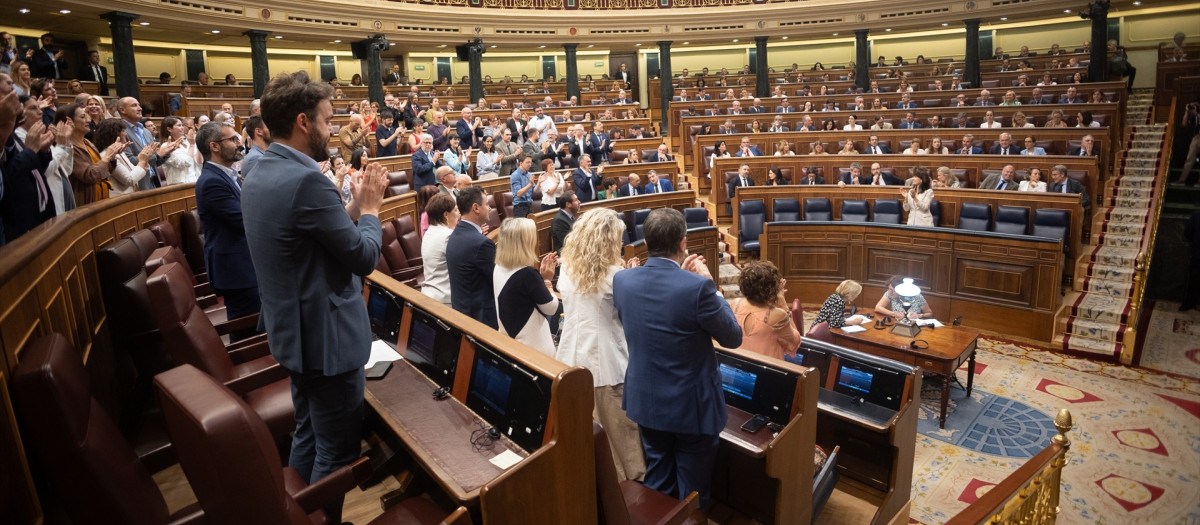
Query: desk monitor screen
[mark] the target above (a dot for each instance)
(385, 310)
(509, 396)
(757, 388)
(433, 347)
(874, 385)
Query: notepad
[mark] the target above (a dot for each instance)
(506, 459)
(853, 329)
(380, 351)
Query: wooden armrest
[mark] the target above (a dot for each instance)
(314, 497)
(250, 352)
(159, 458)
(190, 515)
(256, 380)
(682, 511)
(249, 322)
(460, 516)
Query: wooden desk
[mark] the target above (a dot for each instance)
(439, 430)
(949, 346)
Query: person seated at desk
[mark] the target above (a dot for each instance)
(763, 313)
(833, 310)
(522, 300)
(892, 305)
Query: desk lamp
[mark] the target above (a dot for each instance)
(906, 290)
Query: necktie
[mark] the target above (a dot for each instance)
(1001, 185)
(1004, 151)
(1082, 153)
(591, 184)
(96, 72)
(632, 190)
(743, 181)
(1064, 187)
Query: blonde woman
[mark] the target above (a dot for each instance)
(522, 298)
(945, 179)
(783, 149)
(833, 310)
(591, 256)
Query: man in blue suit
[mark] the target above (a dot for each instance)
(424, 161)
(469, 129)
(309, 257)
(587, 180)
(598, 145)
(874, 147)
(219, 202)
(969, 147)
(633, 188)
(662, 154)
(672, 311)
(470, 259)
(657, 184)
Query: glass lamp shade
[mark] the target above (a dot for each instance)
(907, 288)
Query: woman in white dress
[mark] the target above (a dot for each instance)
(595, 340)
(443, 217)
(183, 164)
(522, 298)
(917, 199)
(1034, 183)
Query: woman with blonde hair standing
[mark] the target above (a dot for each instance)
(522, 298)
(596, 338)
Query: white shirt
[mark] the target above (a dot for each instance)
(595, 336)
(994, 124)
(550, 199)
(433, 257)
(543, 124)
(857, 127)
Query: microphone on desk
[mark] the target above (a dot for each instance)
(957, 321)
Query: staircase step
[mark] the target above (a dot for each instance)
(729, 275)
(1121, 240)
(1097, 285)
(1076, 343)
(1095, 329)
(1099, 308)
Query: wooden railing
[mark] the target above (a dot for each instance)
(1028, 496)
(1130, 351)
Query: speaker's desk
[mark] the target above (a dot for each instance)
(948, 347)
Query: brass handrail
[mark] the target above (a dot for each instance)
(1145, 257)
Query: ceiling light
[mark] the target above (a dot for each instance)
(1003, 18)
(835, 34)
(1137, 2)
(493, 46)
(277, 37)
(216, 31)
(735, 40)
(64, 11)
(686, 43)
(443, 45)
(391, 44)
(638, 44)
(589, 45)
(143, 23)
(23, 10)
(1066, 10)
(888, 29)
(944, 24)
(337, 41)
(542, 47)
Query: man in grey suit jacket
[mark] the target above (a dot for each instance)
(130, 111)
(1001, 181)
(310, 256)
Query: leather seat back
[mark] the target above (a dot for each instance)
(165, 234)
(506, 205)
(145, 241)
(639, 217)
(696, 217)
(1011, 219)
(820, 332)
(127, 304)
(76, 447)
(398, 184)
(226, 451)
(975, 216)
(1051, 223)
(785, 210)
(935, 209)
(854, 210)
(886, 211)
(410, 239)
(191, 233)
(610, 499)
(818, 210)
(752, 214)
(186, 330)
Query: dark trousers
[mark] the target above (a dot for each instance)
(240, 303)
(329, 412)
(677, 464)
(522, 210)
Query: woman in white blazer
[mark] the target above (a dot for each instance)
(918, 198)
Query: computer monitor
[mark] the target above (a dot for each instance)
(384, 310)
(872, 384)
(433, 347)
(757, 388)
(510, 397)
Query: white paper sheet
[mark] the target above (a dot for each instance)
(506, 459)
(380, 351)
(853, 329)
(929, 322)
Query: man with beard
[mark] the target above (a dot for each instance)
(219, 202)
(310, 254)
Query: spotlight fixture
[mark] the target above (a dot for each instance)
(143, 24)
(64, 11)
(337, 41)
(23, 11)
(944, 24)
(278, 37)
(216, 31)
(1003, 18)
(735, 40)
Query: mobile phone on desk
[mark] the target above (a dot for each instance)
(755, 423)
(379, 370)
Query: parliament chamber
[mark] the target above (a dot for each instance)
(1003, 160)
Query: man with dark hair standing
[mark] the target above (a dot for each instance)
(672, 311)
(47, 62)
(260, 140)
(219, 202)
(94, 72)
(564, 220)
(471, 258)
(310, 256)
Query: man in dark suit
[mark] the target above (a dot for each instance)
(587, 180)
(745, 149)
(469, 129)
(1071, 97)
(310, 253)
(906, 102)
(564, 220)
(969, 147)
(517, 125)
(425, 162)
(811, 178)
(27, 201)
(703, 95)
(658, 184)
(854, 176)
(1001, 181)
(393, 76)
(139, 137)
(742, 180)
(48, 62)
(94, 72)
(599, 146)
(633, 188)
(1061, 183)
(624, 75)
(470, 259)
(756, 107)
(874, 147)
(219, 202)
(882, 178)
(662, 154)
(672, 384)
(1086, 148)
(909, 122)
(1005, 146)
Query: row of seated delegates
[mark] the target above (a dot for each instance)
(1056, 119)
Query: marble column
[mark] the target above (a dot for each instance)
(124, 66)
(666, 84)
(572, 70)
(971, 69)
(762, 80)
(258, 60)
(1098, 65)
(862, 59)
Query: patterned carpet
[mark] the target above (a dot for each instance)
(1135, 454)
(1173, 341)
